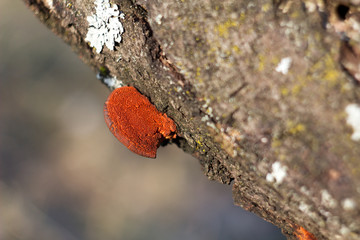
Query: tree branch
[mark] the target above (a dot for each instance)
(264, 93)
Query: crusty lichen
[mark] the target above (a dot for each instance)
(353, 111)
(104, 26)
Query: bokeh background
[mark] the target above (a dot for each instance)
(64, 176)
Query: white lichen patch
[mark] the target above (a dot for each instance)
(304, 190)
(104, 26)
(327, 200)
(278, 173)
(284, 65)
(211, 124)
(158, 19)
(304, 207)
(209, 114)
(348, 204)
(310, 6)
(49, 4)
(325, 213)
(205, 118)
(113, 82)
(230, 138)
(344, 230)
(110, 82)
(353, 119)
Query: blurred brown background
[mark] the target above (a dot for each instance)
(64, 176)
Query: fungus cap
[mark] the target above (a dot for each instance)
(136, 123)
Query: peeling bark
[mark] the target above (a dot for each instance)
(258, 90)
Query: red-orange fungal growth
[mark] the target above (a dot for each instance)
(302, 234)
(136, 123)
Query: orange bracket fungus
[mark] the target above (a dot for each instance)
(302, 234)
(136, 123)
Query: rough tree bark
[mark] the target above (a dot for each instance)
(264, 93)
